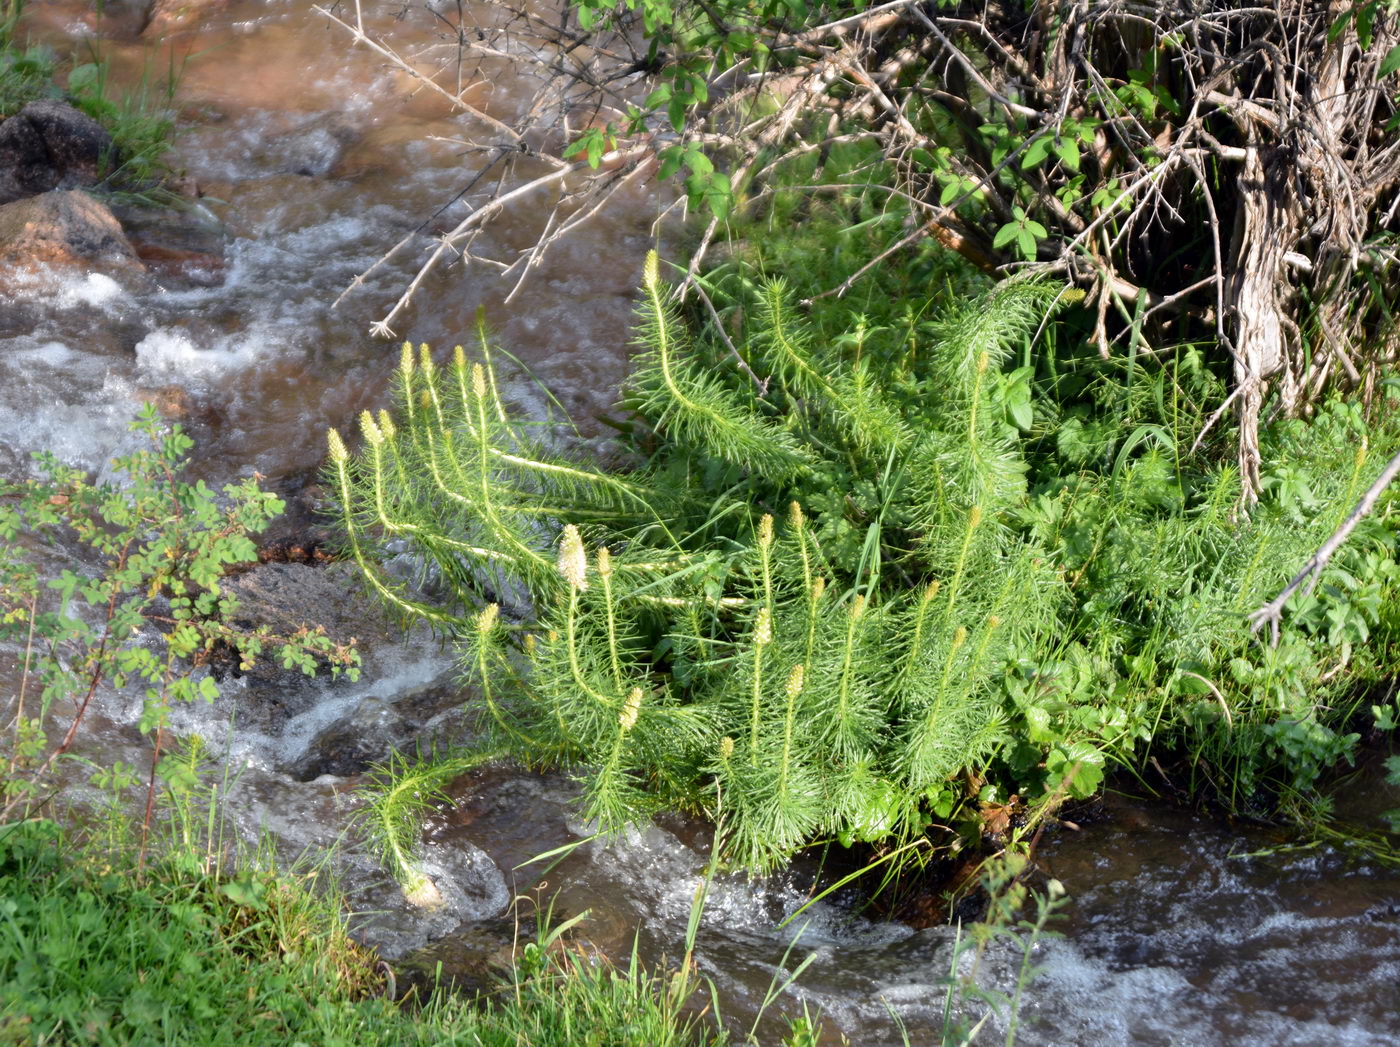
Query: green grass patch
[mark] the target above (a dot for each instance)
(94, 951)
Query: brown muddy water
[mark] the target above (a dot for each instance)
(314, 159)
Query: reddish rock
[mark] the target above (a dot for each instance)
(65, 229)
(178, 16)
(182, 248)
(194, 268)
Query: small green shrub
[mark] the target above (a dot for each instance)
(138, 610)
(723, 645)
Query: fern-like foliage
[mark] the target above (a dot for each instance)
(792, 617)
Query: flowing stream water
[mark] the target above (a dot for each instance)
(314, 158)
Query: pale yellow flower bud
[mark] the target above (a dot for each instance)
(573, 562)
(795, 681)
(628, 717)
(459, 358)
(763, 629)
(974, 517)
(993, 621)
(425, 359)
(796, 516)
(386, 425)
(818, 588)
(765, 531)
(651, 271)
(605, 567)
(932, 590)
(371, 431)
(726, 747)
(479, 381)
(959, 637)
(858, 606)
(486, 620)
(337, 446)
(406, 359)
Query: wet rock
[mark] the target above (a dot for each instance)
(174, 265)
(64, 229)
(168, 17)
(353, 745)
(181, 248)
(50, 145)
(24, 162)
(110, 19)
(286, 596)
(77, 144)
(474, 960)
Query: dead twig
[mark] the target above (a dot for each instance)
(1272, 612)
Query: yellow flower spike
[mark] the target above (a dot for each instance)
(605, 567)
(406, 359)
(337, 446)
(795, 680)
(478, 381)
(386, 425)
(628, 717)
(974, 517)
(993, 621)
(959, 636)
(425, 359)
(796, 516)
(573, 562)
(932, 590)
(459, 358)
(763, 628)
(371, 431)
(983, 361)
(726, 748)
(486, 620)
(651, 271)
(858, 606)
(818, 588)
(765, 530)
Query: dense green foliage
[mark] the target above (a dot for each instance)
(874, 574)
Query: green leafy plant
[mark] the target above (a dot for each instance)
(794, 616)
(141, 608)
(875, 575)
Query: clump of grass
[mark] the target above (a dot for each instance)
(90, 951)
(26, 75)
